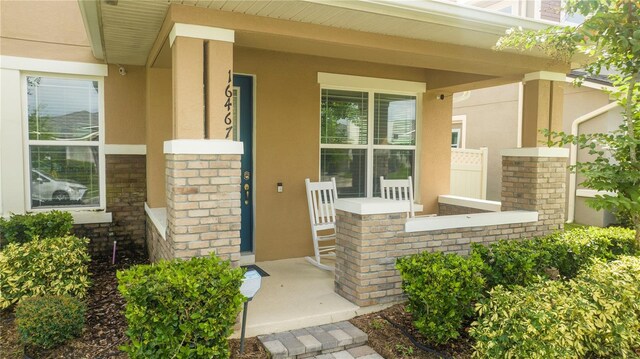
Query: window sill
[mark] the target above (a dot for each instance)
(91, 217)
(158, 218)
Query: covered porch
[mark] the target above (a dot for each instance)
(297, 295)
(216, 184)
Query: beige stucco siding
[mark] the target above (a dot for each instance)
(44, 29)
(124, 102)
(159, 128)
(288, 140)
(492, 121)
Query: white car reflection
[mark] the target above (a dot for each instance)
(45, 188)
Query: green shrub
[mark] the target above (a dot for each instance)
(441, 289)
(21, 228)
(44, 266)
(578, 247)
(48, 321)
(597, 314)
(181, 309)
(510, 262)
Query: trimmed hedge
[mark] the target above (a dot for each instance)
(44, 266)
(597, 314)
(22, 228)
(48, 321)
(441, 289)
(181, 309)
(510, 262)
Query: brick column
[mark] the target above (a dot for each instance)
(534, 179)
(366, 250)
(203, 198)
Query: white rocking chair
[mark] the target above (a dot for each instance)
(321, 197)
(401, 190)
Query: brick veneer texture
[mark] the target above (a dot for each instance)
(126, 194)
(367, 246)
(445, 209)
(159, 248)
(203, 205)
(550, 10)
(536, 184)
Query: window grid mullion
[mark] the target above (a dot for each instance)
(370, 129)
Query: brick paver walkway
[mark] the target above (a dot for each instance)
(330, 341)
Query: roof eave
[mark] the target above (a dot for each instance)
(90, 10)
(451, 14)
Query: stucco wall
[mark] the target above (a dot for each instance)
(124, 103)
(159, 128)
(492, 121)
(287, 141)
(44, 29)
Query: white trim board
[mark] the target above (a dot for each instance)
(423, 224)
(203, 147)
(200, 32)
(125, 149)
(158, 218)
(53, 66)
(374, 205)
(545, 75)
(592, 193)
(91, 217)
(370, 83)
(536, 152)
(482, 204)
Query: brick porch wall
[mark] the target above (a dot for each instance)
(369, 245)
(158, 247)
(445, 209)
(126, 194)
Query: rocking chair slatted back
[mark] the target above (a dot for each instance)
(401, 190)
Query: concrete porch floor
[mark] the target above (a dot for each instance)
(296, 295)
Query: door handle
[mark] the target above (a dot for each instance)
(246, 192)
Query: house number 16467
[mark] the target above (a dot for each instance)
(227, 118)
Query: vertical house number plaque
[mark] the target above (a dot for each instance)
(228, 92)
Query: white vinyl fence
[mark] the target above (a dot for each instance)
(469, 172)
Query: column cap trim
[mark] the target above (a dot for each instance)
(545, 75)
(200, 32)
(203, 147)
(536, 152)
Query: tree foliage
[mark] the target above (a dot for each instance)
(608, 39)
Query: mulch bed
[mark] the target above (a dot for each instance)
(105, 327)
(105, 324)
(390, 342)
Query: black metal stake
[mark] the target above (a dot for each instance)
(244, 323)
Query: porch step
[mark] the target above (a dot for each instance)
(323, 342)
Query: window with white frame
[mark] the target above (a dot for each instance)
(455, 138)
(64, 142)
(365, 135)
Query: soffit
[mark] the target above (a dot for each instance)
(130, 27)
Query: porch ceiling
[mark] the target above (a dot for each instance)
(125, 33)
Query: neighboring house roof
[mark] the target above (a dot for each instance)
(602, 79)
(124, 31)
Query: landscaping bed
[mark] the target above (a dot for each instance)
(390, 342)
(105, 324)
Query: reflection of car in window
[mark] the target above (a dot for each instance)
(45, 188)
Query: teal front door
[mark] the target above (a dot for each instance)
(243, 93)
